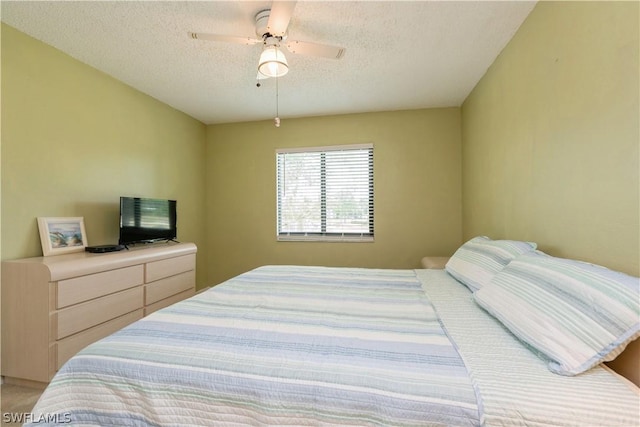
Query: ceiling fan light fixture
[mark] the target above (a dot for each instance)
(272, 62)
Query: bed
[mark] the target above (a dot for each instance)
(301, 345)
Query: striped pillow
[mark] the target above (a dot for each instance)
(576, 314)
(478, 260)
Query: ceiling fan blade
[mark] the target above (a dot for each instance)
(279, 17)
(315, 49)
(227, 39)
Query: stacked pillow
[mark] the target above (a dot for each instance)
(574, 313)
(478, 260)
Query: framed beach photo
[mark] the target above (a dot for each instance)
(62, 235)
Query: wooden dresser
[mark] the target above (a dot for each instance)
(52, 307)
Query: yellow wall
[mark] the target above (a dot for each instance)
(548, 141)
(74, 140)
(550, 136)
(417, 181)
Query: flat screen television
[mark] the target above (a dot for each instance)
(144, 220)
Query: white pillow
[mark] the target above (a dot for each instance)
(576, 314)
(478, 260)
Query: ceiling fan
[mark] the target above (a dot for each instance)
(271, 28)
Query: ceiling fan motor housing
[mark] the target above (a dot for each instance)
(262, 25)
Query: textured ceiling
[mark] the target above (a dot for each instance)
(399, 55)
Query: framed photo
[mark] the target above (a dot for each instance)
(62, 235)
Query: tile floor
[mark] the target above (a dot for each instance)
(16, 400)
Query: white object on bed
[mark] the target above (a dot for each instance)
(514, 384)
(479, 259)
(577, 314)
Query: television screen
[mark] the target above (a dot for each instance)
(145, 220)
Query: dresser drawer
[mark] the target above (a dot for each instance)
(168, 301)
(164, 288)
(169, 267)
(85, 288)
(85, 315)
(69, 346)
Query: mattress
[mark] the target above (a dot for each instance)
(291, 345)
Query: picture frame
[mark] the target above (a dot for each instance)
(61, 235)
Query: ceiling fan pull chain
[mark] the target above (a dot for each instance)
(276, 121)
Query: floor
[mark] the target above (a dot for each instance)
(15, 401)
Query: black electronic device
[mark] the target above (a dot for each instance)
(146, 220)
(103, 248)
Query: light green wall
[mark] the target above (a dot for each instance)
(74, 140)
(548, 141)
(550, 136)
(417, 182)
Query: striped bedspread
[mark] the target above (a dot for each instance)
(279, 345)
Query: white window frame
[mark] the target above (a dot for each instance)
(324, 236)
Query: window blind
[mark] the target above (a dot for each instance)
(325, 193)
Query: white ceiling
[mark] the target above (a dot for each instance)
(399, 54)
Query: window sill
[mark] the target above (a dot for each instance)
(339, 239)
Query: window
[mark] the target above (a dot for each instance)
(325, 193)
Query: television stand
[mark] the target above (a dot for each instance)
(54, 306)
